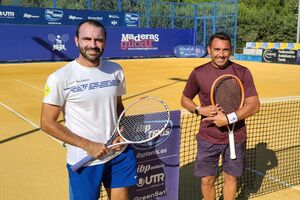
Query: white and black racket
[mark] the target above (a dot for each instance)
(141, 121)
(228, 92)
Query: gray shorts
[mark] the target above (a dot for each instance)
(208, 155)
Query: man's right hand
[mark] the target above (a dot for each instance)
(96, 150)
(210, 111)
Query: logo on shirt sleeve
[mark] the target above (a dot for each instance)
(47, 90)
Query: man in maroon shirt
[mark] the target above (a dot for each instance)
(213, 134)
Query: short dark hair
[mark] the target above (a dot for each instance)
(93, 23)
(221, 36)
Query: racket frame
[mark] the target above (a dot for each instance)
(230, 127)
(146, 140)
(117, 130)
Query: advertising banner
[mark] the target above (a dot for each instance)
(298, 57)
(10, 15)
(279, 56)
(51, 16)
(136, 42)
(158, 165)
(33, 42)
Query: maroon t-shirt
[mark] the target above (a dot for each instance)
(200, 82)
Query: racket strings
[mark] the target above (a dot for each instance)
(144, 120)
(228, 95)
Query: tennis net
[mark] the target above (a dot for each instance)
(273, 147)
(272, 155)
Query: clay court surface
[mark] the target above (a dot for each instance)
(32, 164)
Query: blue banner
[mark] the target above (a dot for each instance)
(245, 57)
(158, 165)
(135, 42)
(51, 16)
(32, 42)
(28, 43)
(298, 57)
(189, 51)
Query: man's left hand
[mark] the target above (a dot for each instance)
(219, 119)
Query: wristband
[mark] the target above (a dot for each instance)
(196, 110)
(232, 118)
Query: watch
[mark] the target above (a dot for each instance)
(196, 110)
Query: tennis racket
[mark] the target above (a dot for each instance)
(228, 92)
(141, 121)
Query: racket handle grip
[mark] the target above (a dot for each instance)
(117, 144)
(81, 163)
(232, 146)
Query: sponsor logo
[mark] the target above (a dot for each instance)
(53, 15)
(7, 14)
(151, 179)
(269, 55)
(140, 37)
(279, 56)
(163, 136)
(287, 56)
(139, 41)
(72, 17)
(58, 41)
(132, 19)
(113, 16)
(114, 22)
(154, 195)
(93, 86)
(155, 152)
(146, 168)
(29, 16)
(189, 51)
(95, 18)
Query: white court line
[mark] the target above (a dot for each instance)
(19, 115)
(30, 85)
(29, 122)
(271, 178)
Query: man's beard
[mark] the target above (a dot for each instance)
(93, 59)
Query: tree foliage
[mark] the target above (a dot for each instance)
(267, 21)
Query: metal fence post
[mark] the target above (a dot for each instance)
(195, 23)
(204, 31)
(54, 3)
(120, 5)
(235, 25)
(147, 13)
(215, 16)
(89, 4)
(172, 15)
(16, 2)
(298, 23)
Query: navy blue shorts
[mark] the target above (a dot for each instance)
(119, 172)
(208, 156)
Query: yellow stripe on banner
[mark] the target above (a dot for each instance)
(283, 45)
(258, 45)
(296, 46)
